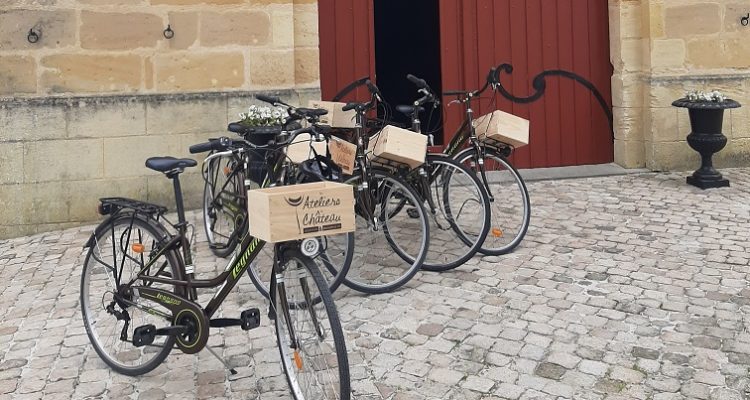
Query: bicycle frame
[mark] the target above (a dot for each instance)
(250, 248)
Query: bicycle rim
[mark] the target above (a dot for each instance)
(459, 216)
(223, 205)
(316, 363)
(124, 248)
(333, 260)
(511, 208)
(391, 246)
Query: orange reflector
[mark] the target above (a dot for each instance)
(138, 248)
(298, 360)
(227, 170)
(497, 232)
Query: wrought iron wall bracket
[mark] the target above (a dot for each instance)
(540, 85)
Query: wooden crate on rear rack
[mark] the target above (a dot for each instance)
(286, 213)
(399, 145)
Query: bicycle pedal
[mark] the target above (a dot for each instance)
(250, 319)
(144, 335)
(412, 213)
(217, 246)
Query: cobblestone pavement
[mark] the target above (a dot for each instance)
(630, 287)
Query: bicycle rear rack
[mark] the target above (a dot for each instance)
(504, 148)
(109, 205)
(388, 163)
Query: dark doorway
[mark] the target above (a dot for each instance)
(407, 41)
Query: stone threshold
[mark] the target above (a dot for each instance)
(578, 171)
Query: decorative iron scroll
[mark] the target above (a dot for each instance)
(539, 84)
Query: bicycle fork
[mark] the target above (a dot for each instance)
(278, 285)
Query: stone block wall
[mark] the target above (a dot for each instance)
(661, 49)
(103, 90)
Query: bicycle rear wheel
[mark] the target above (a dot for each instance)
(458, 212)
(511, 207)
(308, 331)
(333, 260)
(223, 203)
(120, 248)
(391, 245)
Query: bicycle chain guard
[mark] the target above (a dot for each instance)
(184, 312)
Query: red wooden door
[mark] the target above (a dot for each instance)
(567, 125)
(347, 44)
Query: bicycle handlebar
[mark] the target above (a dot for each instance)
(273, 100)
(421, 83)
(213, 144)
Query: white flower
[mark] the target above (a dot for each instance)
(713, 96)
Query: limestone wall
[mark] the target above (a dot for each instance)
(661, 49)
(103, 89)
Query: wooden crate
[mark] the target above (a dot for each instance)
(503, 127)
(336, 117)
(300, 148)
(399, 145)
(285, 213)
(343, 154)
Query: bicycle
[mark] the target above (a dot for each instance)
(391, 246)
(229, 173)
(455, 199)
(133, 252)
(488, 159)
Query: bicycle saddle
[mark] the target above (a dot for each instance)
(165, 164)
(407, 109)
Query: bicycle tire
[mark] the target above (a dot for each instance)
(212, 207)
(369, 265)
(509, 197)
(449, 256)
(298, 360)
(106, 232)
(334, 274)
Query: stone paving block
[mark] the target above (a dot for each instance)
(588, 307)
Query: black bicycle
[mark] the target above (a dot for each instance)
(238, 167)
(488, 159)
(139, 300)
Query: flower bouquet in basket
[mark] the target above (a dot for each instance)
(260, 124)
(263, 116)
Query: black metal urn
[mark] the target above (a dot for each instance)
(706, 120)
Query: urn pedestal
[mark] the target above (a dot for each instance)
(706, 121)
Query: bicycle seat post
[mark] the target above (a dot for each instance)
(174, 175)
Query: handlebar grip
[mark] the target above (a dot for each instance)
(268, 99)
(419, 82)
(493, 76)
(204, 147)
(373, 89)
(349, 106)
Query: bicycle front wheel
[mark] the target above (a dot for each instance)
(308, 331)
(333, 259)
(509, 198)
(457, 208)
(391, 244)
